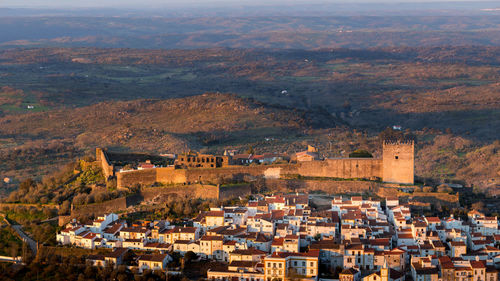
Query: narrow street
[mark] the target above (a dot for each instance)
(31, 243)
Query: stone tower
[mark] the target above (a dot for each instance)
(384, 271)
(398, 161)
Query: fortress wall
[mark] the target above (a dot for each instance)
(131, 178)
(100, 208)
(170, 175)
(159, 194)
(348, 168)
(333, 168)
(231, 173)
(102, 159)
(203, 191)
(328, 186)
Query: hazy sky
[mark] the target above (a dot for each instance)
(173, 3)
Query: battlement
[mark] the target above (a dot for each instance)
(398, 142)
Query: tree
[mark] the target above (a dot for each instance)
(65, 208)
(479, 206)
(444, 188)
(26, 185)
(360, 153)
(427, 189)
(190, 256)
(187, 209)
(250, 150)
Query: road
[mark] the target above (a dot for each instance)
(31, 243)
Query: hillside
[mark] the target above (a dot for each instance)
(59, 103)
(440, 87)
(28, 142)
(334, 28)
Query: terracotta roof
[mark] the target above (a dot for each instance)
(243, 263)
(477, 264)
(349, 271)
(249, 251)
(278, 241)
(113, 228)
(433, 219)
(134, 229)
(118, 252)
(211, 238)
(154, 258)
(311, 253)
(214, 214)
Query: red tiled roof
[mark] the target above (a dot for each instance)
(214, 214)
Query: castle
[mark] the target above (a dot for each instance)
(395, 166)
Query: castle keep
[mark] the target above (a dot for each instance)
(395, 166)
(398, 161)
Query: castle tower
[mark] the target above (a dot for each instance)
(398, 161)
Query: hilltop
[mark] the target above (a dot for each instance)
(59, 103)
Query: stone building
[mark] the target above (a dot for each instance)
(398, 161)
(198, 160)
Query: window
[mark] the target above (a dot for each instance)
(312, 263)
(294, 263)
(268, 264)
(312, 271)
(280, 265)
(303, 263)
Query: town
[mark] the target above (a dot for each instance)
(279, 237)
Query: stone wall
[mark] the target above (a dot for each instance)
(346, 168)
(328, 186)
(131, 178)
(170, 175)
(101, 157)
(231, 174)
(397, 165)
(203, 191)
(158, 194)
(351, 168)
(114, 205)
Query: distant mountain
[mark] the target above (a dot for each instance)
(258, 31)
